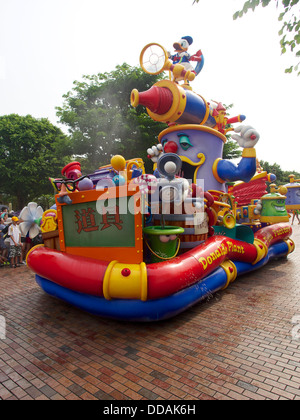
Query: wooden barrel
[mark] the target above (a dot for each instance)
(51, 239)
(195, 227)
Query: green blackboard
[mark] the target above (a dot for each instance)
(86, 226)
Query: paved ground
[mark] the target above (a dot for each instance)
(236, 345)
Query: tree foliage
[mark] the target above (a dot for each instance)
(101, 120)
(231, 148)
(289, 14)
(282, 177)
(290, 31)
(31, 151)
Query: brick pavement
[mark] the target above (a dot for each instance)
(236, 345)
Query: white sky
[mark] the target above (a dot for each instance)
(47, 44)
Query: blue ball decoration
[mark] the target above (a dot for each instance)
(119, 180)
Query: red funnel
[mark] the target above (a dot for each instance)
(158, 99)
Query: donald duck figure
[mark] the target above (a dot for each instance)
(184, 58)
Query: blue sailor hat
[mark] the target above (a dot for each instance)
(189, 39)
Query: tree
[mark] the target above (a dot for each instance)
(101, 120)
(273, 169)
(290, 30)
(282, 177)
(31, 151)
(231, 148)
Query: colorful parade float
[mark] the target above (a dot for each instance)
(127, 245)
(293, 197)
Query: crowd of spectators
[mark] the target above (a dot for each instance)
(13, 245)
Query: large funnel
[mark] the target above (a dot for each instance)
(157, 99)
(169, 102)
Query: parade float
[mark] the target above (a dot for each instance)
(293, 197)
(127, 245)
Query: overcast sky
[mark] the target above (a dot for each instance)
(47, 44)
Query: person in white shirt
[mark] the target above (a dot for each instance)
(14, 234)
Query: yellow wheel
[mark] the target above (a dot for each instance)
(153, 58)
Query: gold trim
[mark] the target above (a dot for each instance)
(206, 112)
(291, 245)
(134, 98)
(292, 186)
(142, 56)
(274, 219)
(106, 279)
(184, 127)
(144, 282)
(215, 173)
(274, 197)
(231, 274)
(178, 104)
(262, 250)
(202, 158)
(292, 206)
(249, 152)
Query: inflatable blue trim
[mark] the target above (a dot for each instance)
(157, 309)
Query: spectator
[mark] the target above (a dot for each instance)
(8, 222)
(14, 234)
(26, 245)
(4, 209)
(3, 232)
(296, 214)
